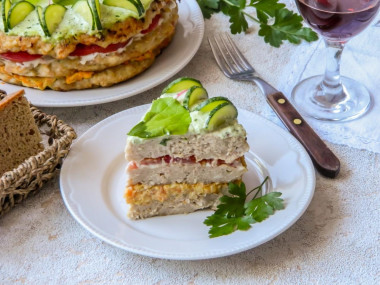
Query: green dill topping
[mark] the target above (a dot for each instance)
(164, 141)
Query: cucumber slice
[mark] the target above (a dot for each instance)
(221, 115)
(64, 2)
(139, 6)
(40, 14)
(95, 9)
(18, 12)
(51, 17)
(193, 96)
(132, 5)
(181, 84)
(209, 104)
(146, 3)
(83, 9)
(5, 6)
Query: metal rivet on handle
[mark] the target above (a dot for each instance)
(297, 121)
(281, 101)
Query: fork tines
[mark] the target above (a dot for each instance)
(229, 58)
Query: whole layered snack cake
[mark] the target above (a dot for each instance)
(184, 152)
(79, 44)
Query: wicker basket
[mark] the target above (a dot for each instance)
(31, 175)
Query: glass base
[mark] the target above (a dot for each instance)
(350, 103)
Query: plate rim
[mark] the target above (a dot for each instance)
(311, 179)
(196, 41)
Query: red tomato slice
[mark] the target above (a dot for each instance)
(20, 56)
(152, 25)
(82, 49)
(132, 165)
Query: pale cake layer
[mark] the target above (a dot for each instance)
(161, 200)
(174, 206)
(191, 173)
(84, 80)
(140, 194)
(228, 147)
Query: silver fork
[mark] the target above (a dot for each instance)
(235, 66)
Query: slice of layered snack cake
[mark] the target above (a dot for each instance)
(184, 152)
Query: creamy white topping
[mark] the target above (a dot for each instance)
(84, 59)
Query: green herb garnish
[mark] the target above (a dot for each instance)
(234, 213)
(166, 117)
(164, 141)
(277, 23)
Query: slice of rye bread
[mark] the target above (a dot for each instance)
(20, 137)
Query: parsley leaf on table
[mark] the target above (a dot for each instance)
(287, 26)
(234, 213)
(237, 20)
(266, 8)
(209, 7)
(277, 23)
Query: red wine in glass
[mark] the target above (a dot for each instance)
(338, 19)
(330, 96)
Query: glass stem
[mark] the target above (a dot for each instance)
(331, 85)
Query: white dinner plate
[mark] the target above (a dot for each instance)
(93, 180)
(185, 44)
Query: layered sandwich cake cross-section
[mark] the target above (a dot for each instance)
(81, 44)
(184, 152)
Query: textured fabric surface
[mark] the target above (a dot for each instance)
(360, 61)
(336, 241)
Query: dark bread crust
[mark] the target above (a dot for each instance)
(20, 137)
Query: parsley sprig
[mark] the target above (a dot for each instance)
(277, 23)
(234, 213)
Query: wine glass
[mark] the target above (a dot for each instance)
(332, 97)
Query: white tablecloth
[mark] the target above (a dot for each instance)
(360, 61)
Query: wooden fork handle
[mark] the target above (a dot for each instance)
(323, 158)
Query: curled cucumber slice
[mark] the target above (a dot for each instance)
(5, 6)
(62, 2)
(40, 14)
(221, 115)
(83, 9)
(180, 84)
(132, 5)
(210, 104)
(146, 3)
(18, 12)
(50, 17)
(95, 9)
(194, 96)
